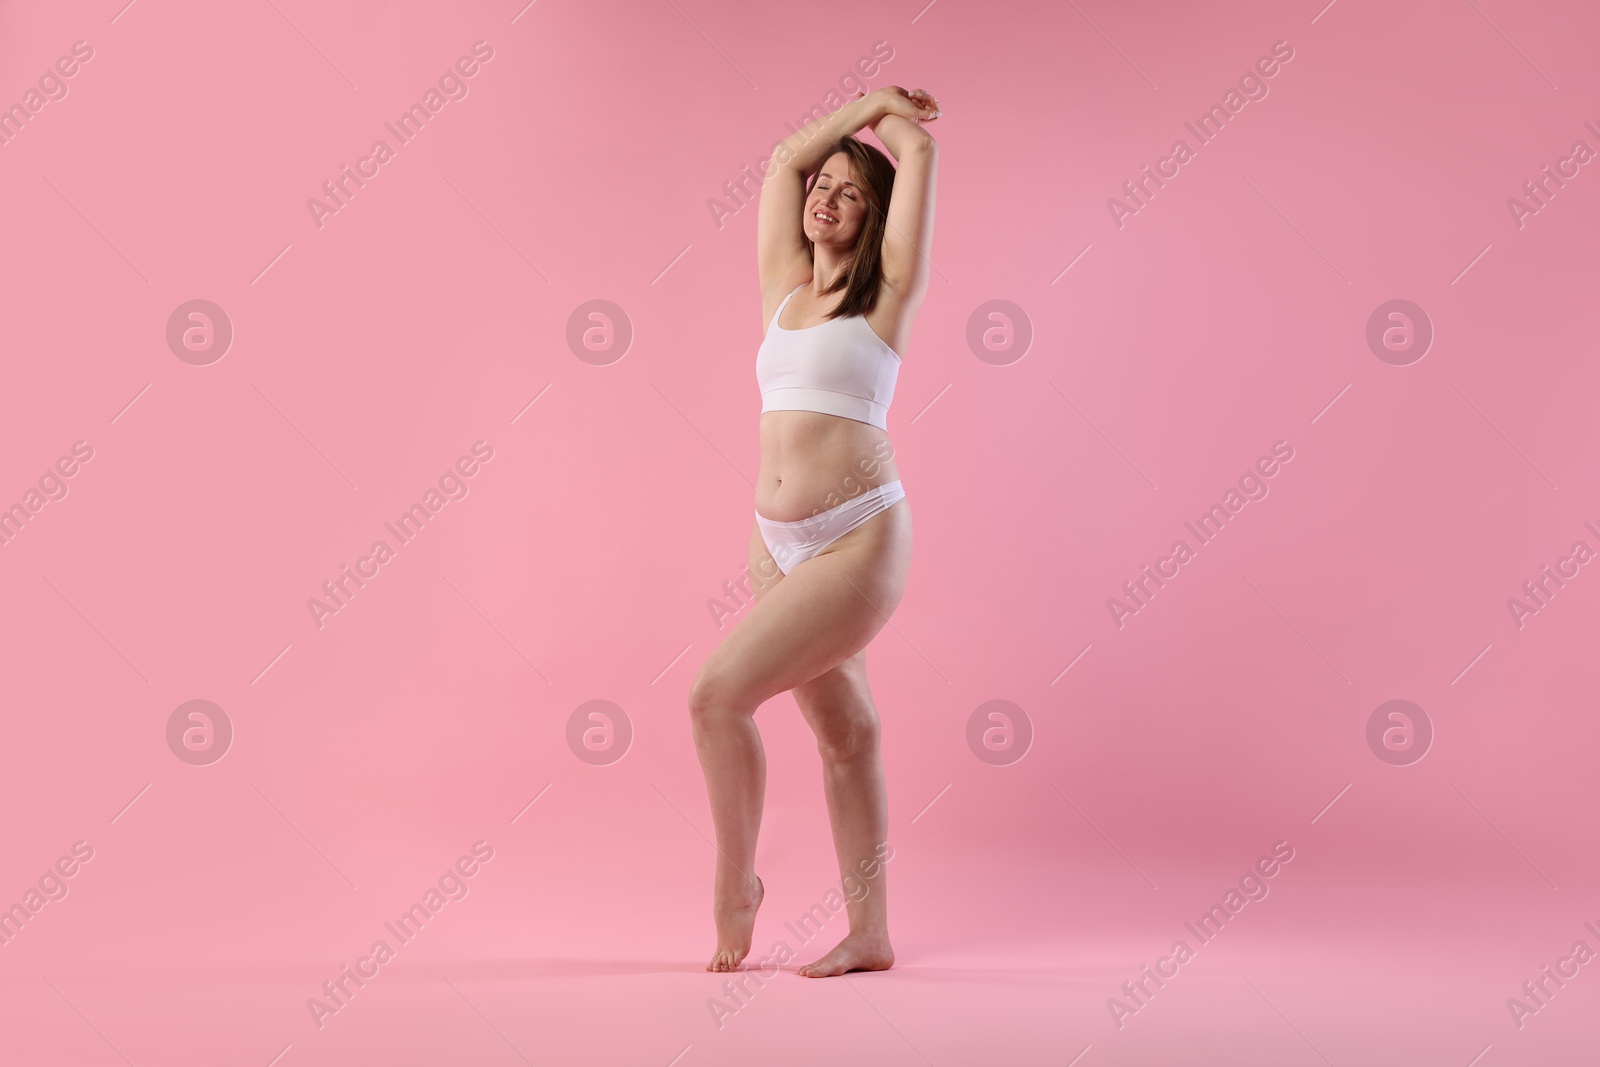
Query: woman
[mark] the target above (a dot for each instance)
(843, 267)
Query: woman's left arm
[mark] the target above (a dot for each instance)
(908, 233)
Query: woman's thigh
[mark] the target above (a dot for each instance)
(815, 617)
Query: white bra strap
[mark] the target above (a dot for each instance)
(785, 303)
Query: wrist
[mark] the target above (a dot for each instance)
(869, 109)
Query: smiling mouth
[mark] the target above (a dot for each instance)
(824, 218)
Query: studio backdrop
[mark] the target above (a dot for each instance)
(378, 435)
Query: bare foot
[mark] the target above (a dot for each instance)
(735, 923)
(854, 953)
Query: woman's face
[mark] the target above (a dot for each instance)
(836, 196)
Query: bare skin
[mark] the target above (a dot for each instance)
(808, 630)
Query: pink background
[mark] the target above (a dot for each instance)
(431, 311)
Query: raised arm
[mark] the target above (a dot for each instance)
(908, 230)
(780, 241)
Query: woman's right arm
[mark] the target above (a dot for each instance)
(782, 259)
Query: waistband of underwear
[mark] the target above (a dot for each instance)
(876, 492)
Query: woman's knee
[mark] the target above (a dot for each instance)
(701, 695)
(846, 731)
(713, 695)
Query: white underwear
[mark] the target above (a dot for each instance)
(792, 543)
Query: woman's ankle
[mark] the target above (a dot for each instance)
(737, 891)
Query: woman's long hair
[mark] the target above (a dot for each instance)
(874, 175)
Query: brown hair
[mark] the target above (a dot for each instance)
(874, 175)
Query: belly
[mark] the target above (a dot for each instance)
(811, 462)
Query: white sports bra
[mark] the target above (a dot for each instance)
(838, 367)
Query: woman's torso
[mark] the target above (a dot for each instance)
(810, 461)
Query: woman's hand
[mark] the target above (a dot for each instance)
(918, 105)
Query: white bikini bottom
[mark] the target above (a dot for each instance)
(792, 543)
